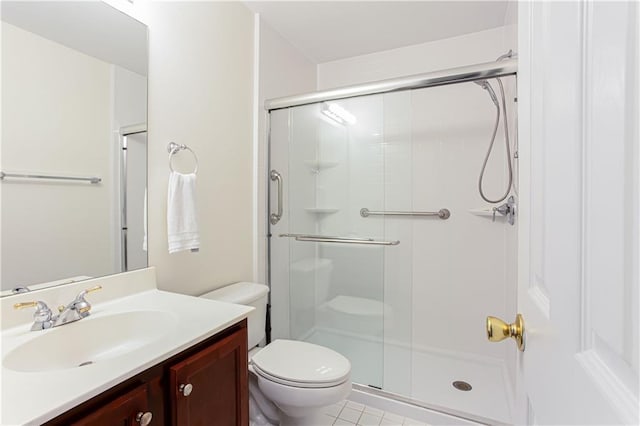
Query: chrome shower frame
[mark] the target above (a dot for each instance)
(483, 71)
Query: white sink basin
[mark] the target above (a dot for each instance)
(89, 341)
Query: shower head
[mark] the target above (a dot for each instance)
(487, 86)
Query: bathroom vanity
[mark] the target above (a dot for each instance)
(205, 384)
(142, 356)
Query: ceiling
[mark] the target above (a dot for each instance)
(91, 27)
(329, 30)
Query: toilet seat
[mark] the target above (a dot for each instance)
(301, 364)
(295, 384)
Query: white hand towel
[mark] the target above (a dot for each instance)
(182, 224)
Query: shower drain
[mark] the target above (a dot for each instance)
(82, 364)
(462, 386)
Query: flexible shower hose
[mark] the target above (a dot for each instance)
(508, 150)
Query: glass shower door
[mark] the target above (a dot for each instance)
(334, 273)
(408, 316)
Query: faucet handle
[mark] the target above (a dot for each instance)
(81, 305)
(39, 305)
(24, 305)
(42, 317)
(89, 290)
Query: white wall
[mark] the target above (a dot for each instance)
(483, 46)
(129, 97)
(60, 128)
(200, 94)
(283, 71)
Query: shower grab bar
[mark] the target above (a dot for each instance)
(275, 217)
(342, 240)
(443, 214)
(91, 179)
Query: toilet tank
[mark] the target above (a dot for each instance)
(249, 294)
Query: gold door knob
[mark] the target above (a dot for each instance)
(498, 330)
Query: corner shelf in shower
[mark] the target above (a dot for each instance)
(318, 165)
(319, 210)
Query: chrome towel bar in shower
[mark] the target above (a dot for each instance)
(443, 214)
(341, 240)
(91, 179)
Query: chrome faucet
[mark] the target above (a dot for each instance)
(43, 317)
(75, 310)
(507, 209)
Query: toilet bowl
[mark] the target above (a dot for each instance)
(290, 381)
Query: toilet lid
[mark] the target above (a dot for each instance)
(301, 364)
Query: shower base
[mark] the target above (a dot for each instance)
(430, 378)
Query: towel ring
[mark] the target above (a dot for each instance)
(173, 148)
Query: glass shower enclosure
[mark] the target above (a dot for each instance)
(381, 249)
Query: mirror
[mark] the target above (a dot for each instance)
(74, 147)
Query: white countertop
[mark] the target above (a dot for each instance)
(36, 397)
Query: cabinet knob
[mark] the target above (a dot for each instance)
(144, 418)
(186, 389)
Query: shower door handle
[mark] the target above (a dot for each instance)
(275, 217)
(341, 240)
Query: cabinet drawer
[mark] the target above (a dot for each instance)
(122, 411)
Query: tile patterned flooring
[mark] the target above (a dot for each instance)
(348, 413)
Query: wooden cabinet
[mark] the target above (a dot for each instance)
(216, 371)
(211, 385)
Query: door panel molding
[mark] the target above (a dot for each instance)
(619, 395)
(609, 74)
(578, 273)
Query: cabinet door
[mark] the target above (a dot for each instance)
(122, 411)
(218, 393)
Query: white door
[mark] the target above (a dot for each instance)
(578, 278)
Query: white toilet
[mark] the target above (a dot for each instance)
(289, 381)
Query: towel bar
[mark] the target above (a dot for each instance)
(91, 179)
(340, 240)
